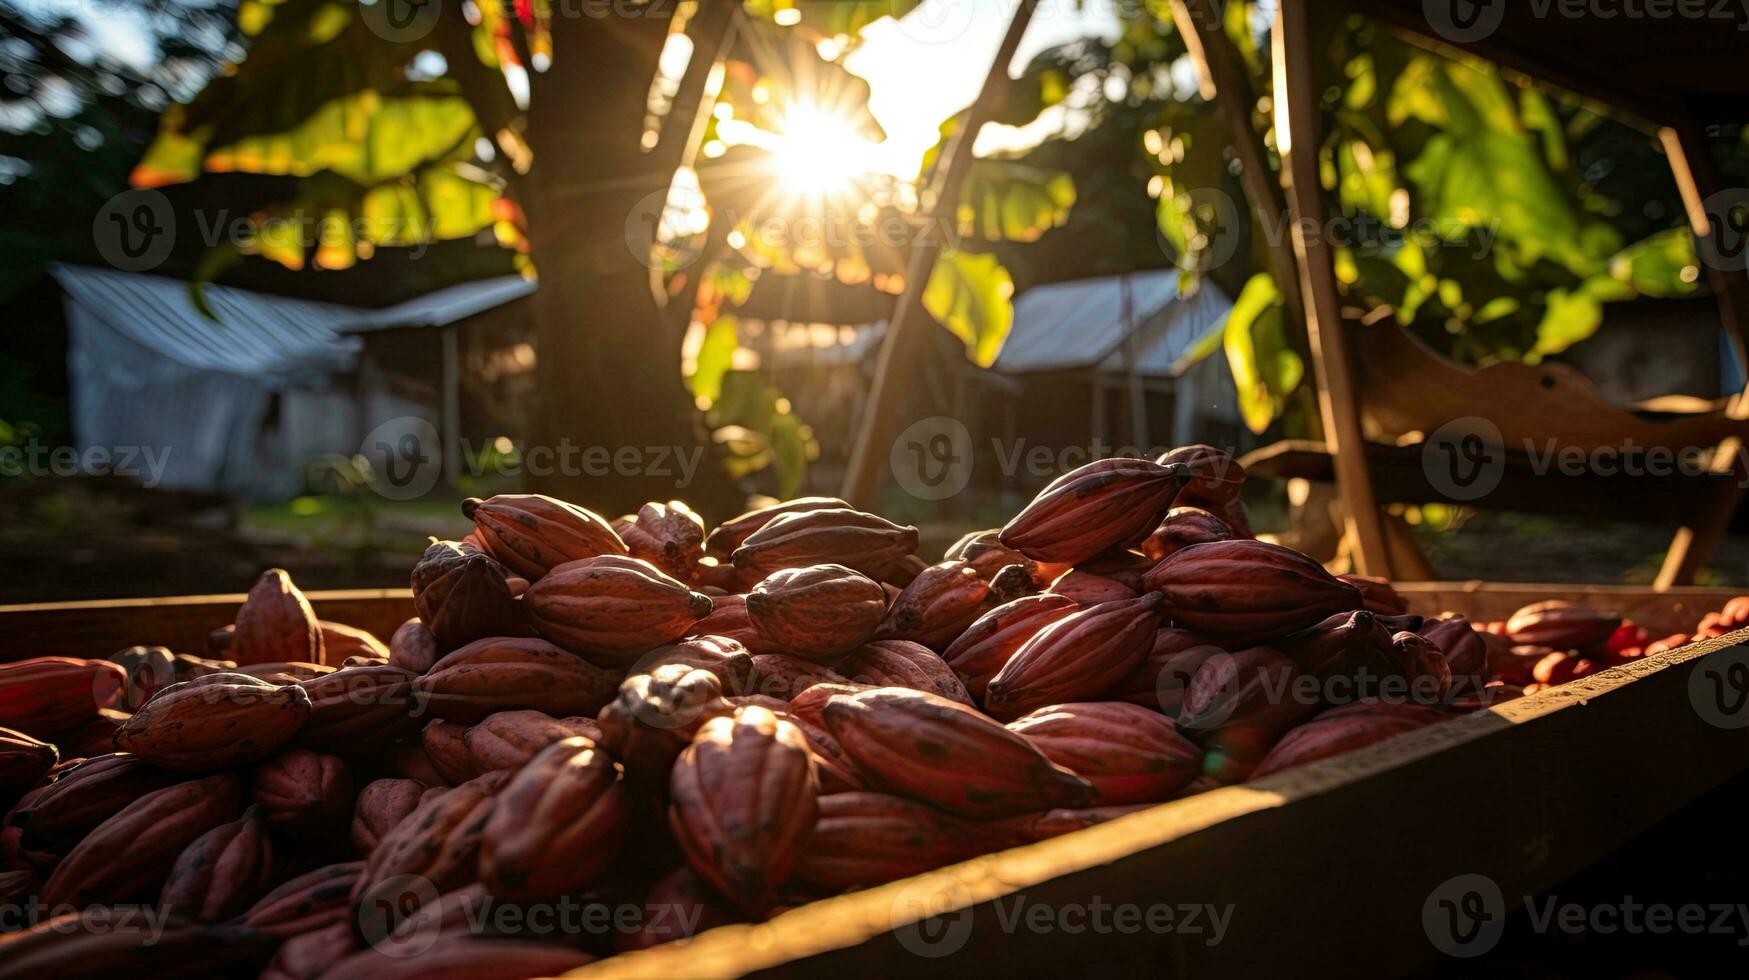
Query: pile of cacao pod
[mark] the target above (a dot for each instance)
(708, 727)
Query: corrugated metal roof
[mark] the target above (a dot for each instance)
(1069, 325)
(451, 304)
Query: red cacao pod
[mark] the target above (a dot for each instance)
(729, 535)
(214, 722)
(1239, 704)
(1105, 505)
(1011, 583)
(1244, 590)
(897, 663)
(689, 909)
(446, 746)
(867, 839)
(1088, 589)
(460, 596)
(413, 648)
(1030, 828)
(340, 641)
(1377, 596)
(612, 609)
(558, 826)
(509, 739)
(1161, 679)
(24, 760)
(1355, 655)
(1082, 657)
(104, 942)
(723, 656)
(948, 755)
(1463, 647)
(937, 606)
(313, 900)
(44, 696)
(439, 842)
(655, 717)
(742, 801)
(307, 955)
(1215, 482)
(382, 805)
(506, 674)
(1183, 527)
(303, 793)
(276, 624)
(1128, 753)
(781, 677)
(357, 709)
(1562, 668)
(84, 796)
(283, 671)
(1345, 729)
(669, 536)
(530, 534)
(149, 670)
(728, 619)
(863, 542)
(987, 645)
(984, 551)
(222, 872)
(127, 857)
(817, 613)
(1561, 626)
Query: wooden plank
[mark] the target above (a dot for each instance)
(1301, 863)
(1664, 613)
(99, 629)
(1299, 131)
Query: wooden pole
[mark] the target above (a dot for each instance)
(903, 343)
(1299, 129)
(452, 407)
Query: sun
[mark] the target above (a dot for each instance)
(819, 152)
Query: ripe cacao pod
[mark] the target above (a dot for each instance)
(214, 722)
(1356, 655)
(1345, 729)
(45, 696)
(1161, 679)
(461, 596)
(307, 955)
(1561, 668)
(17, 887)
(655, 717)
(439, 842)
(685, 907)
(341, 642)
(669, 536)
(984, 551)
(1561, 625)
(1183, 527)
(509, 739)
(1105, 505)
(1464, 649)
(818, 613)
(276, 624)
(1081, 657)
(742, 800)
(835, 768)
(987, 645)
(1377, 596)
(781, 677)
(101, 942)
(723, 656)
(446, 746)
(1241, 591)
(948, 755)
(303, 793)
(612, 609)
(867, 839)
(476, 959)
(127, 857)
(1088, 589)
(84, 796)
(729, 535)
(863, 542)
(937, 606)
(558, 825)
(222, 872)
(283, 672)
(149, 670)
(898, 663)
(1011, 583)
(507, 674)
(357, 709)
(382, 805)
(313, 900)
(531, 534)
(1128, 753)
(1215, 482)
(1239, 704)
(24, 760)
(413, 647)
(1031, 828)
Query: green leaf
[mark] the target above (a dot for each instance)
(1003, 200)
(972, 296)
(1266, 369)
(1569, 318)
(715, 355)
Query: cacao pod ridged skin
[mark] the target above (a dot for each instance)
(127, 857)
(984, 551)
(1561, 626)
(24, 760)
(341, 642)
(476, 959)
(312, 901)
(17, 887)
(860, 541)
(1160, 680)
(694, 909)
(728, 620)
(1011, 583)
(1464, 649)
(723, 656)
(949, 756)
(1377, 596)
(100, 943)
(461, 596)
(509, 739)
(531, 534)
(1030, 828)
(283, 671)
(381, 807)
(1183, 527)
(446, 743)
(1239, 705)
(307, 955)
(1126, 567)
(509, 674)
(358, 709)
(1421, 663)
(817, 613)
(867, 839)
(655, 717)
(558, 824)
(83, 797)
(45, 696)
(1082, 657)
(729, 535)
(276, 625)
(835, 768)
(1345, 729)
(611, 609)
(216, 722)
(781, 677)
(980, 653)
(1129, 753)
(409, 760)
(222, 872)
(669, 536)
(303, 793)
(1242, 591)
(1355, 655)
(742, 801)
(149, 670)
(413, 647)
(1215, 482)
(1105, 505)
(1088, 589)
(439, 841)
(898, 663)
(937, 606)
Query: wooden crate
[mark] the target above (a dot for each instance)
(1323, 870)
